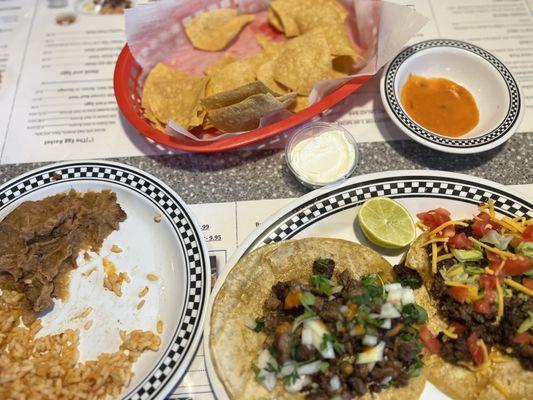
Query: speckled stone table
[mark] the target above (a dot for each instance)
(255, 175)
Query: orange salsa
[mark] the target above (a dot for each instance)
(440, 105)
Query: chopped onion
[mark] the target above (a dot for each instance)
(343, 309)
(268, 379)
(408, 296)
(369, 340)
(371, 366)
(386, 380)
(288, 368)
(337, 289)
(389, 311)
(395, 297)
(390, 287)
(313, 332)
(298, 384)
(250, 323)
(387, 324)
(373, 355)
(335, 383)
(309, 368)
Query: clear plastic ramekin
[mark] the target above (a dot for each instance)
(316, 129)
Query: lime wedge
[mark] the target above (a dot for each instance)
(387, 223)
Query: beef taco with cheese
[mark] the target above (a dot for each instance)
(479, 273)
(318, 319)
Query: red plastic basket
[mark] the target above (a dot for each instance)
(128, 89)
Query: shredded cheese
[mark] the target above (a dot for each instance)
(500, 267)
(435, 240)
(456, 284)
(519, 287)
(473, 294)
(422, 226)
(488, 271)
(486, 358)
(483, 206)
(470, 366)
(444, 257)
(500, 388)
(491, 209)
(529, 222)
(515, 224)
(445, 245)
(450, 333)
(501, 253)
(456, 271)
(434, 258)
(445, 225)
(439, 249)
(499, 315)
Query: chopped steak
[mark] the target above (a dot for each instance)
(40, 241)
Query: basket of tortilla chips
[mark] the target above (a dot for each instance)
(212, 76)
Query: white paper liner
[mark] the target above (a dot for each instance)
(155, 34)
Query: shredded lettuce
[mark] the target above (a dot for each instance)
(467, 255)
(527, 324)
(526, 248)
(497, 239)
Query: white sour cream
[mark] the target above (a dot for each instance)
(324, 158)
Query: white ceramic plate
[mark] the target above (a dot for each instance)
(497, 95)
(173, 250)
(332, 212)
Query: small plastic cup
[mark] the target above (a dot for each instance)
(312, 130)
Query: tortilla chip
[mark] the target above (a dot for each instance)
(233, 75)
(300, 104)
(302, 62)
(338, 40)
(150, 116)
(274, 20)
(271, 47)
(237, 95)
(223, 61)
(234, 347)
(246, 115)
(213, 30)
(343, 64)
(265, 74)
(288, 14)
(172, 94)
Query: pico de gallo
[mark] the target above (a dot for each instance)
(483, 280)
(336, 337)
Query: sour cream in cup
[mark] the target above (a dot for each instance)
(322, 154)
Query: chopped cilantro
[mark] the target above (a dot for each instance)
(257, 373)
(413, 313)
(272, 367)
(374, 285)
(259, 324)
(323, 366)
(308, 299)
(363, 299)
(415, 367)
(391, 383)
(328, 338)
(291, 378)
(323, 284)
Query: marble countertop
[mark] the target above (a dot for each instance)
(255, 175)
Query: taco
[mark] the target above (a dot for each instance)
(478, 272)
(317, 319)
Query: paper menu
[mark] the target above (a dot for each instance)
(53, 111)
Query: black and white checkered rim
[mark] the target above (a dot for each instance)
(302, 216)
(513, 113)
(186, 337)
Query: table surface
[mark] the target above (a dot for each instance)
(256, 175)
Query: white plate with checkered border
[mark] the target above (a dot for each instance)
(332, 212)
(496, 92)
(173, 249)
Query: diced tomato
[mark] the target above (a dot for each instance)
(483, 306)
(483, 225)
(460, 241)
(476, 352)
(528, 234)
(493, 258)
(515, 241)
(434, 218)
(523, 338)
(528, 282)
(489, 296)
(517, 266)
(448, 232)
(487, 282)
(457, 293)
(458, 329)
(430, 341)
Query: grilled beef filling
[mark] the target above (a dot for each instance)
(342, 338)
(40, 241)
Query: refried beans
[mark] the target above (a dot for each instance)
(40, 241)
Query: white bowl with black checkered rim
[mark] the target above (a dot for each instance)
(332, 212)
(172, 248)
(496, 92)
